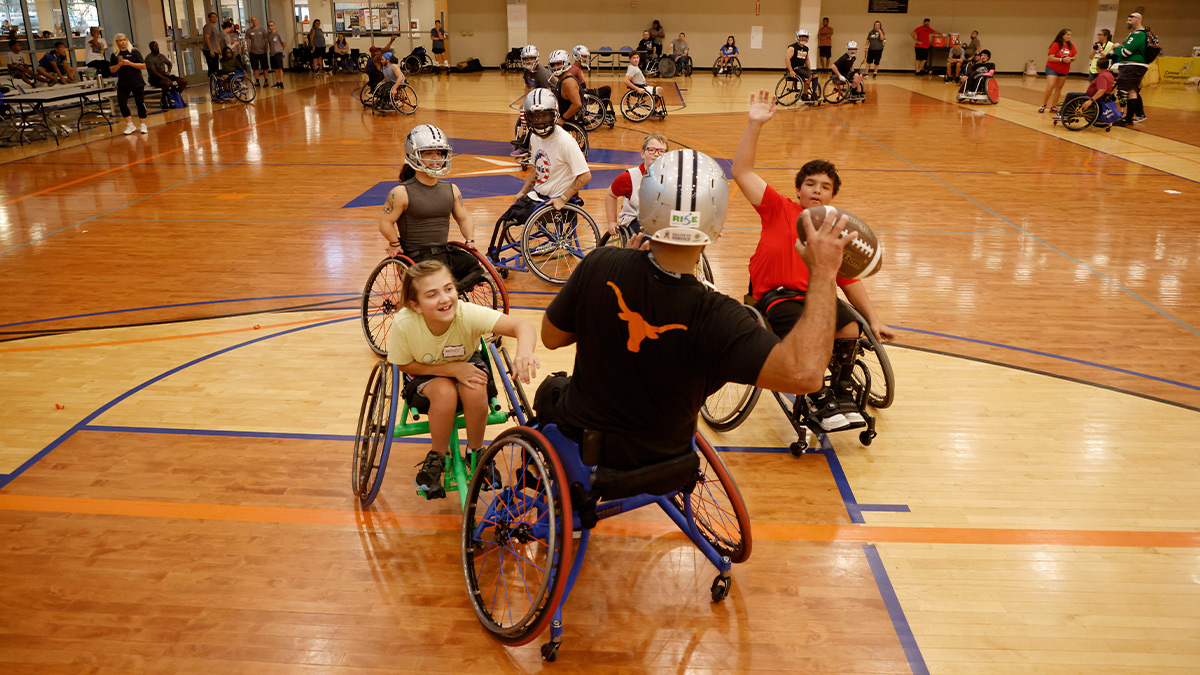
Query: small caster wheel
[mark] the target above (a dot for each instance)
(503, 274)
(720, 588)
(1055, 122)
(798, 448)
(1108, 128)
(866, 437)
(550, 651)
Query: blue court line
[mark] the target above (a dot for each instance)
(1048, 355)
(157, 378)
(908, 641)
(1068, 256)
(181, 304)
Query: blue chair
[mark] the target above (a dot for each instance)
(604, 56)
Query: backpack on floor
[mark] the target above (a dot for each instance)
(175, 100)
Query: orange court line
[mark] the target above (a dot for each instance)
(624, 527)
(161, 154)
(174, 337)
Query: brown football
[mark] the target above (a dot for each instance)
(863, 256)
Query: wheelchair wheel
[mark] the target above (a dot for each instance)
(553, 242)
(242, 88)
(788, 90)
(993, 91)
(836, 90)
(636, 106)
(593, 112)
(685, 66)
(518, 402)
(362, 61)
(704, 272)
(363, 95)
(487, 289)
(718, 507)
(1077, 117)
(411, 65)
(381, 300)
(666, 67)
(373, 439)
(580, 135)
(883, 382)
(516, 541)
(618, 240)
(726, 408)
(405, 100)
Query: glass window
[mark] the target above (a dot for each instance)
(82, 14)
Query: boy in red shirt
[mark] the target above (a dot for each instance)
(779, 277)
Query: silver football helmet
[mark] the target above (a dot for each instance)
(581, 54)
(801, 34)
(560, 62)
(683, 199)
(427, 138)
(529, 52)
(541, 111)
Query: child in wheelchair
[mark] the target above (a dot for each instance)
(635, 80)
(975, 74)
(844, 72)
(433, 341)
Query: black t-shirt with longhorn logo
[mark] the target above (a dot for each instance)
(650, 347)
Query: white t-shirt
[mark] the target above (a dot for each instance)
(410, 339)
(557, 161)
(12, 58)
(636, 76)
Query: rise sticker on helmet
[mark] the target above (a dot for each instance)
(685, 219)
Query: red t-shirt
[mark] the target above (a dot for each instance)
(1104, 82)
(775, 261)
(622, 185)
(1056, 50)
(923, 32)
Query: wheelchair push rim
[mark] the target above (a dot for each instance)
(373, 435)
(516, 536)
(636, 106)
(554, 241)
(788, 91)
(381, 301)
(717, 506)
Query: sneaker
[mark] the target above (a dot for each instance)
(279, 85)
(518, 153)
(1139, 118)
(129, 129)
(874, 76)
(849, 408)
(256, 83)
(429, 478)
(1042, 109)
(826, 411)
(1053, 110)
(1121, 123)
(143, 128)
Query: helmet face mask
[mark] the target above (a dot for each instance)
(802, 35)
(560, 62)
(582, 56)
(541, 111)
(683, 199)
(427, 149)
(529, 57)
(541, 122)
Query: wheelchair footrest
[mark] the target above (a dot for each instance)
(436, 493)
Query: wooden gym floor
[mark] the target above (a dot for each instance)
(182, 368)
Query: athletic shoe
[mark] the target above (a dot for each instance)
(518, 153)
(1139, 118)
(874, 76)
(429, 478)
(278, 85)
(1121, 123)
(129, 129)
(1042, 109)
(143, 128)
(826, 411)
(849, 407)
(256, 84)
(1053, 110)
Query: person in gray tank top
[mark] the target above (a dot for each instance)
(416, 216)
(316, 40)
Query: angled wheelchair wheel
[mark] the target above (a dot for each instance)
(788, 90)
(1076, 116)
(405, 100)
(704, 272)
(411, 65)
(242, 88)
(836, 90)
(666, 67)
(516, 541)
(364, 95)
(875, 358)
(381, 301)
(685, 66)
(373, 438)
(553, 242)
(361, 62)
(993, 91)
(518, 403)
(579, 134)
(593, 112)
(717, 506)
(636, 106)
(485, 288)
(618, 240)
(729, 406)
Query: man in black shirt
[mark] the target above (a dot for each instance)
(649, 49)
(652, 342)
(843, 68)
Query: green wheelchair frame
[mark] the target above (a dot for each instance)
(382, 406)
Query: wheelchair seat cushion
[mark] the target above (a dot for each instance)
(677, 473)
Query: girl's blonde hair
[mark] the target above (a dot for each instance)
(425, 268)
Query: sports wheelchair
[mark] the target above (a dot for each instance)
(1078, 112)
(732, 67)
(596, 112)
(637, 106)
(380, 99)
(982, 89)
(477, 280)
(789, 91)
(665, 66)
(874, 383)
(237, 86)
(417, 61)
(551, 244)
(519, 551)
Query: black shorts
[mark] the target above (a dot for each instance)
(1129, 78)
(258, 61)
(825, 52)
(277, 61)
(318, 52)
(873, 55)
(922, 53)
(782, 315)
(417, 400)
(436, 50)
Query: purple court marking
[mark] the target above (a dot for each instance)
(181, 304)
(908, 641)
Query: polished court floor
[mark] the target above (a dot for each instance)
(181, 369)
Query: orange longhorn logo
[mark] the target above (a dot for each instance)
(639, 328)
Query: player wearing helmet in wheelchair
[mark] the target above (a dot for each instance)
(559, 168)
(799, 66)
(568, 88)
(844, 70)
(975, 71)
(621, 200)
(536, 76)
(652, 342)
(780, 280)
(581, 58)
(416, 215)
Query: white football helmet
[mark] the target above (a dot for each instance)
(683, 199)
(541, 111)
(581, 54)
(560, 61)
(851, 45)
(801, 34)
(529, 52)
(427, 138)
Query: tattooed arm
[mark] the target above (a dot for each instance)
(393, 208)
(465, 224)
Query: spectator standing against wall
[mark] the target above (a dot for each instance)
(658, 34)
(213, 42)
(920, 36)
(276, 46)
(256, 44)
(875, 40)
(1058, 65)
(824, 44)
(437, 35)
(316, 40)
(971, 48)
(1102, 48)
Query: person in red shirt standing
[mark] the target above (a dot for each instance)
(1058, 66)
(824, 44)
(921, 35)
(779, 277)
(626, 186)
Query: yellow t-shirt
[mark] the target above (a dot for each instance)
(411, 340)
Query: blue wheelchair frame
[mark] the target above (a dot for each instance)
(541, 236)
